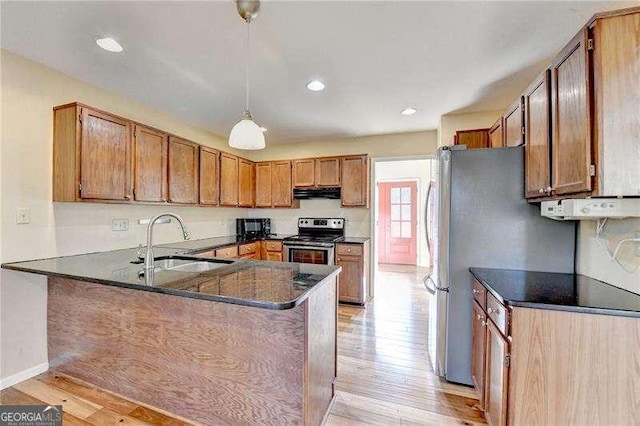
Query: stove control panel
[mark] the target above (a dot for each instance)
(321, 223)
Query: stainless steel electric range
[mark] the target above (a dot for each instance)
(315, 242)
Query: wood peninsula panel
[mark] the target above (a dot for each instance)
(150, 151)
(209, 176)
(572, 368)
(209, 362)
(570, 119)
(105, 157)
(184, 171)
(66, 153)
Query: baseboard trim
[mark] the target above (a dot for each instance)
(23, 375)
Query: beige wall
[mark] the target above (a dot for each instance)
(594, 261)
(29, 91)
(450, 123)
(398, 144)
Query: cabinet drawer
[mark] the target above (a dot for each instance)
(227, 252)
(498, 314)
(273, 245)
(248, 248)
(273, 256)
(210, 253)
(349, 249)
(479, 294)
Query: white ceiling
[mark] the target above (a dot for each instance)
(187, 58)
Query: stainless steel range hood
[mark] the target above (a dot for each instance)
(307, 193)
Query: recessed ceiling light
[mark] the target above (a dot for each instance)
(264, 129)
(109, 44)
(408, 111)
(315, 85)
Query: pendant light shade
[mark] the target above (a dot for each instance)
(246, 134)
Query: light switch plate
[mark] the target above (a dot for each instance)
(23, 215)
(120, 225)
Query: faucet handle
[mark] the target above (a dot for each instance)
(140, 252)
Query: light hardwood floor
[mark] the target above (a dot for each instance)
(384, 376)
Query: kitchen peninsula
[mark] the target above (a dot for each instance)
(243, 342)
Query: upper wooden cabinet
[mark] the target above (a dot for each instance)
(184, 171)
(316, 172)
(150, 151)
(246, 183)
(496, 136)
(209, 176)
(228, 179)
(537, 137)
(595, 99)
(263, 184)
(91, 155)
(476, 138)
(514, 124)
(570, 120)
(355, 181)
(328, 171)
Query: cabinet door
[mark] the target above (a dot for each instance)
(328, 171)
(478, 350)
(497, 374)
(350, 279)
(264, 188)
(355, 181)
(537, 137)
(304, 173)
(150, 151)
(513, 124)
(105, 157)
(570, 119)
(209, 176)
(495, 134)
(246, 183)
(478, 138)
(273, 256)
(228, 179)
(281, 184)
(184, 171)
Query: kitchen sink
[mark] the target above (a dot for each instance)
(187, 264)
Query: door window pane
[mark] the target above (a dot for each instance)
(395, 229)
(406, 212)
(395, 195)
(406, 229)
(406, 195)
(395, 212)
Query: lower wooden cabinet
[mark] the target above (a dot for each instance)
(227, 252)
(478, 348)
(496, 376)
(272, 251)
(353, 281)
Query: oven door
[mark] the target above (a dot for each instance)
(309, 254)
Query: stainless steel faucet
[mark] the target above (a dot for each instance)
(148, 258)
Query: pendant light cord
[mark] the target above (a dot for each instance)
(247, 66)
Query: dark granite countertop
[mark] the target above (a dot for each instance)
(565, 292)
(355, 240)
(269, 285)
(206, 244)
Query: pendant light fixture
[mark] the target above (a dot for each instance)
(246, 134)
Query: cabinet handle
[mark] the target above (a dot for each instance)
(540, 191)
(348, 250)
(339, 260)
(491, 311)
(127, 197)
(483, 323)
(476, 291)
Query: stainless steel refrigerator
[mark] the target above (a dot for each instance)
(479, 217)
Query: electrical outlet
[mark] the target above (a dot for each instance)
(23, 215)
(119, 225)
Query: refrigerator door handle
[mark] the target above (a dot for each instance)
(433, 287)
(426, 218)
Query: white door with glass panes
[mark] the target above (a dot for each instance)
(397, 222)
